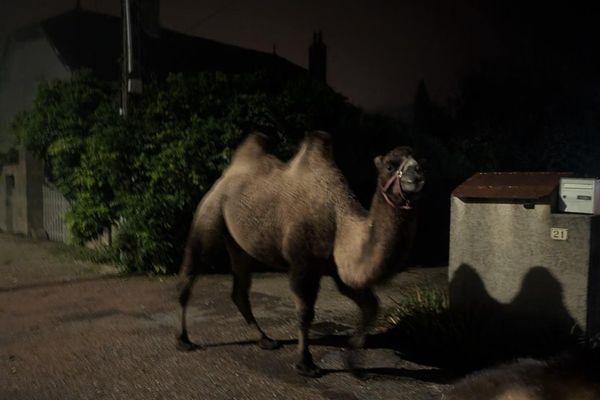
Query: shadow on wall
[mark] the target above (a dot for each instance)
(568, 375)
(535, 323)
(539, 301)
(477, 331)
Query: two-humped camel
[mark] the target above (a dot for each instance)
(300, 216)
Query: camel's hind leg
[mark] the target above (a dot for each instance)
(305, 286)
(188, 274)
(241, 268)
(203, 247)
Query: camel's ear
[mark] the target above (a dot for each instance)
(378, 162)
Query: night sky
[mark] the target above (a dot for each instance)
(379, 50)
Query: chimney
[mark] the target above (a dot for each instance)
(317, 58)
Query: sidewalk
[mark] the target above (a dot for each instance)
(75, 330)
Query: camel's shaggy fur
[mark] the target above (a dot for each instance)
(570, 376)
(300, 216)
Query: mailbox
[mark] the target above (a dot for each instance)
(579, 195)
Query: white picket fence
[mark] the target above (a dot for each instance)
(55, 208)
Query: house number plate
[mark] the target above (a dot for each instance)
(559, 233)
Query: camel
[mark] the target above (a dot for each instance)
(300, 216)
(571, 375)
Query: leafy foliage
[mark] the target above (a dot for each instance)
(147, 173)
(73, 125)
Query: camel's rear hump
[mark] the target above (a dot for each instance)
(315, 151)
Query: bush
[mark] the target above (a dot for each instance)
(146, 174)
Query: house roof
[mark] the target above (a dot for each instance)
(84, 39)
(509, 185)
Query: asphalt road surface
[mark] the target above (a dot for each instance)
(76, 330)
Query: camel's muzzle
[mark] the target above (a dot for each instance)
(412, 180)
(406, 182)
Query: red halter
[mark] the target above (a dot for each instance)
(395, 180)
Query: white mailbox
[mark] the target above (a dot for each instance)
(579, 195)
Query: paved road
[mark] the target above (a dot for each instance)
(75, 330)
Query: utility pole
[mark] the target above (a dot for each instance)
(131, 74)
(141, 21)
(124, 57)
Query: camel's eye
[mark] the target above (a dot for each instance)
(390, 168)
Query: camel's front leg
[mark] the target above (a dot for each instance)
(368, 303)
(305, 287)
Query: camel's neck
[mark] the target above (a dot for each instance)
(373, 244)
(387, 229)
(384, 221)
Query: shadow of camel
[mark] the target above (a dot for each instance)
(342, 341)
(538, 304)
(536, 323)
(566, 370)
(477, 331)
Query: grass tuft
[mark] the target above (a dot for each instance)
(424, 327)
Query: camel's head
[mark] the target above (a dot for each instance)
(401, 178)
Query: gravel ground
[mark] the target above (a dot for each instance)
(77, 330)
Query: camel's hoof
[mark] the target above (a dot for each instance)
(310, 371)
(352, 361)
(185, 344)
(266, 343)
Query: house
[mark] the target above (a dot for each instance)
(53, 49)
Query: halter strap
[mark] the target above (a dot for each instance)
(395, 181)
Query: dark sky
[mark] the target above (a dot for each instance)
(378, 50)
